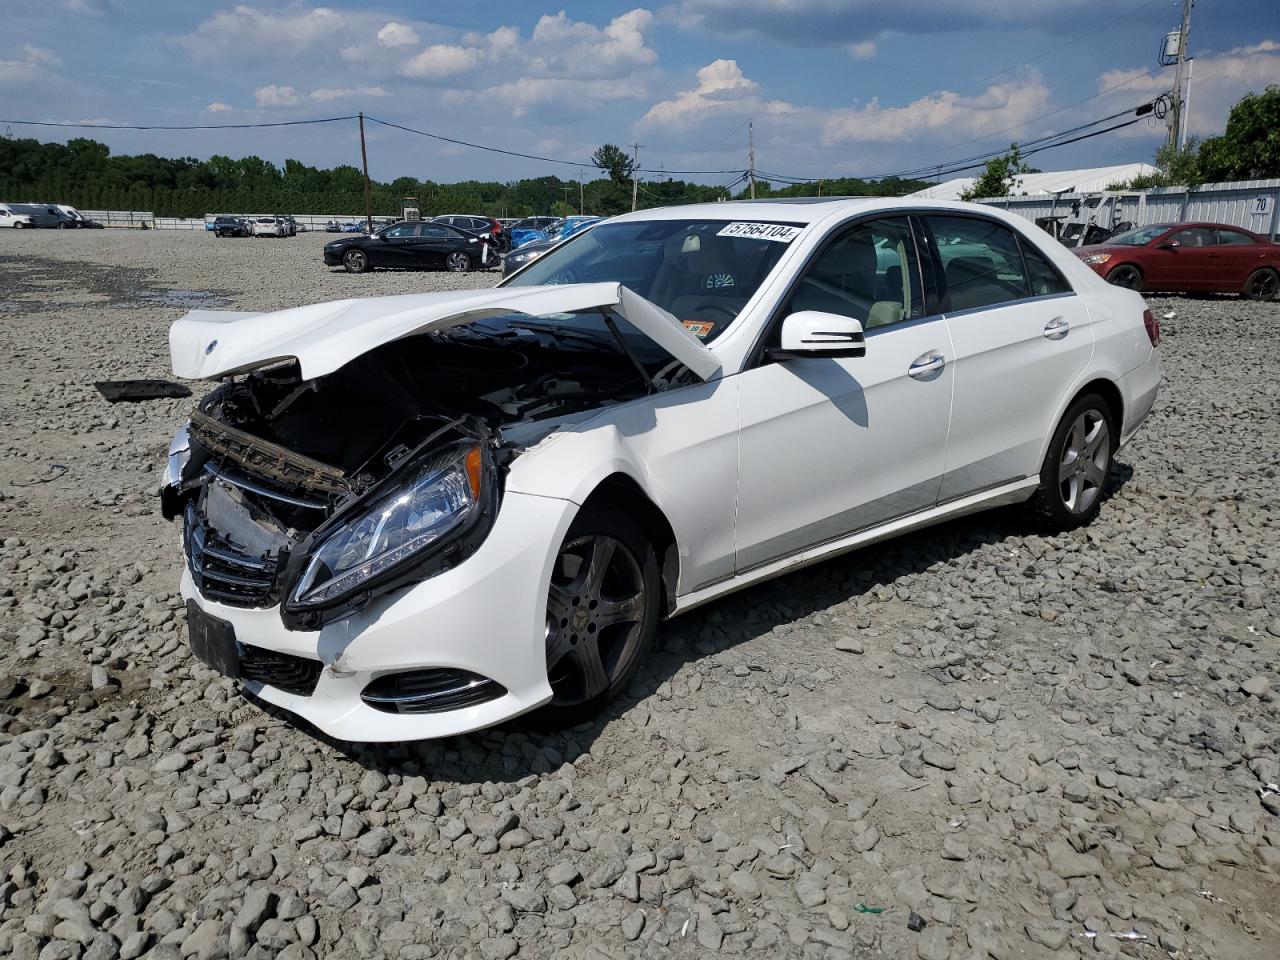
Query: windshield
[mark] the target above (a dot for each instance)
(702, 272)
(1140, 237)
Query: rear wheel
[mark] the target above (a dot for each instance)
(602, 611)
(1126, 275)
(355, 261)
(1262, 284)
(1076, 466)
(458, 262)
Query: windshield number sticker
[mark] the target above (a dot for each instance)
(699, 328)
(778, 232)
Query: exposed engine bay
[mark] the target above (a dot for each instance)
(287, 485)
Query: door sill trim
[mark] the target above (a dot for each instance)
(1014, 491)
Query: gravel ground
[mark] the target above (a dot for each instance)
(972, 742)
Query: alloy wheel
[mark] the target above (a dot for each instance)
(595, 609)
(458, 262)
(1125, 276)
(1263, 285)
(355, 261)
(1086, 460)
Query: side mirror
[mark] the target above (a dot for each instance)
(1169, 245)
(812, 333)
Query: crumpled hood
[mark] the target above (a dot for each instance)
(325, 336)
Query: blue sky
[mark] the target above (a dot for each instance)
(834, 87)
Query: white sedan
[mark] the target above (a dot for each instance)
(415, 516)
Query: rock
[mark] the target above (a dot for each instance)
(259, 905)
(1256, 686)
(633, 925)
(498, 948)
(376, 842)
(849, 645)
(1053, 936)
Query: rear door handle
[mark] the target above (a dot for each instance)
(927, 366)
(1057, 328)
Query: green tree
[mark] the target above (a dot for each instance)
(1249, 148)
(614, 161)
(1000, 177)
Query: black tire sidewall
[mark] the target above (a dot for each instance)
(614, 523)
(1128, 268)
(1248, 285)
(348, 262)
(1047, 501)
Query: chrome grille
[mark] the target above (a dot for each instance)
(430, 691)
(223, 573)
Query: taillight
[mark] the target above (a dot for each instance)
(1153, 327)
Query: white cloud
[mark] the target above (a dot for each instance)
(325, 94)
(27, 68)
(572, 48)
(566, 94)
(397, 35)
(720, 83)
(1000, 106)
(442, 60)
(218, 107)
(274, 96)
(863, 51)
(243, 31)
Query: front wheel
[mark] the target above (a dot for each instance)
(1075, 469)
(1262, 284)
(1126, 275)
(458, 262)
(355, 261)
(19, 226)
(602, 612)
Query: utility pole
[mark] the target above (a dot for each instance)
(582, 206)
(1176, 118)
(566, 188)
(751, 155)
(368, 197)
(635, 175)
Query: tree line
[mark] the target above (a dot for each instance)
(85, 174)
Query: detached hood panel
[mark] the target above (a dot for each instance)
(323, 337)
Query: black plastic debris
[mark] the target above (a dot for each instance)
(915, 922)
(116, 391)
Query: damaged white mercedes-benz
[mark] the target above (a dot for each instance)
(414, 516)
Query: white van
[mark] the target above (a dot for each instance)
(19, 221)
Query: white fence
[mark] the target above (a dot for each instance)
(1252, 204)
(144, 220)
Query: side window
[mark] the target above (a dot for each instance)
(981, 262)
(1043, 275)
(1234, 238)
(1194, 237)
(870, 273)
(403, 230)
(435, 233)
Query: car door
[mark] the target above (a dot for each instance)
(829, 446)
(434, 242)
(395, 248)
(1180, 260)
(1021, 337)
(1238, 254)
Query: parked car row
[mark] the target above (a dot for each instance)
(227, 225)
(1189, 257)
(57, 216)
(531, 250)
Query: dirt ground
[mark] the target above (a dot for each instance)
(972, 742)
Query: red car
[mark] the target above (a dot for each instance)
(1188, 258)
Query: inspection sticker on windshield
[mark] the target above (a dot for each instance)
(779, 232)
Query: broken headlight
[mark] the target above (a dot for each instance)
(440, 496)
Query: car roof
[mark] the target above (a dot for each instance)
(803, 210)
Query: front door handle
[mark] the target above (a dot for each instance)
(927, 366)
(1057, 328)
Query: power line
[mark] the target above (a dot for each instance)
(158, 126)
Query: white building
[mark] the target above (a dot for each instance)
(1090, 180)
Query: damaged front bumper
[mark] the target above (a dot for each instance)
(483, 620)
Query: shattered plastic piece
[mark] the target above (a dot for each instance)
(55, 471)
(863, 908)
(114, 391)
(1122, 935)
(915, 922)
(1208, 895)
(1270, 790)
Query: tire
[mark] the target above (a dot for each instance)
(61, 225)
(1072, 484)
(1125, 275)
(1262, 284)
(19, 226)
(600, 620)
(355, 261)
(458, 262)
